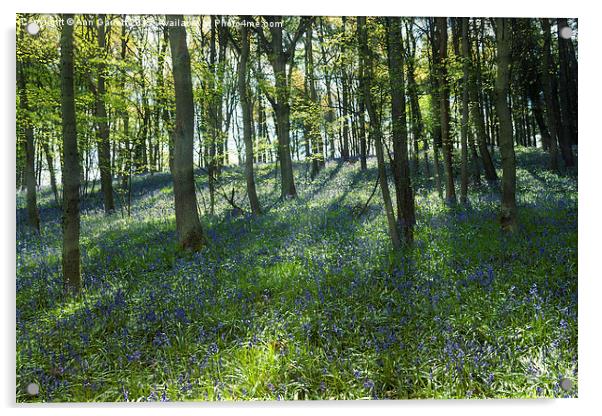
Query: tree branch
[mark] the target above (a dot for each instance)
(305, 21)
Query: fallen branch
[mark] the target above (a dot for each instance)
(223, 194)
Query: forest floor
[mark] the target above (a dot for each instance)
(306, 301)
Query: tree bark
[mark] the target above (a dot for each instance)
(417, 124)
(464, 129)
(190, 232)
(551, 98)
(476, 109)
(404, 192)
(375, 131)
(317, 155)
(33, 217)
(566, 112)
(508, 217)
(435, 105)
(279, 56)
(71, 165)
(345, 96)
(102, 128)
(51, 171)
(450, 190)
(246, 119)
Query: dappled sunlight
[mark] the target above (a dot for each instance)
(307, 301)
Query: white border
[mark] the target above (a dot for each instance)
(589, 223)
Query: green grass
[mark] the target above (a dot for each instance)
(306, 301)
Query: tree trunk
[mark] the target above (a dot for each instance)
(345, 96)
(246, 119)
(508, 217)
(51, 171)
(221, 127)
(102, 132)
(551, 99)
(190, 232)
(464, 129)
(375, 131)
(435, 105)
(417, 125)
(361, 103)
(282, 109)
(71, 166)
(330, 117)
(214, 109)
(538, 113)
(405, 194)
(33, 218)
(317, 155)
(160, 99)
(566, 112)
(450, 190)
(476, 109)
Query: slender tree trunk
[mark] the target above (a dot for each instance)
(450, 190)
(362, 125)
(375, 131)
(361, 102)
(465, 102)
(538, 114)
(551, 99)
(345, 97)
(160, 97)
(330, 116)
(476, 109)
(417, 125)
(317, 155)
(221, 144)
(435, 106)
(190, 232)
(102, 132)
(50, 162)
(405, 194)
(508, 217)
(566, 134)
(278, 59)
(71, 166)
(246, 119)
(33, 217)
(214, 124)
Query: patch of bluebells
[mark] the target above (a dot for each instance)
(311, 274)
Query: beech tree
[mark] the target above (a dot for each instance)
(188, 226)
(450, 189)
(33, 217)
(550, 91)
(503, 36)
(246, 117)
(401, 168)
(279, 54)
(71, 166)
(104, 146)
(366, 61)
(476, 109)
(567, 105)
(464, 129)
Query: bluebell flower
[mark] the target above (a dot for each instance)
(135, 356)
(181, 315)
